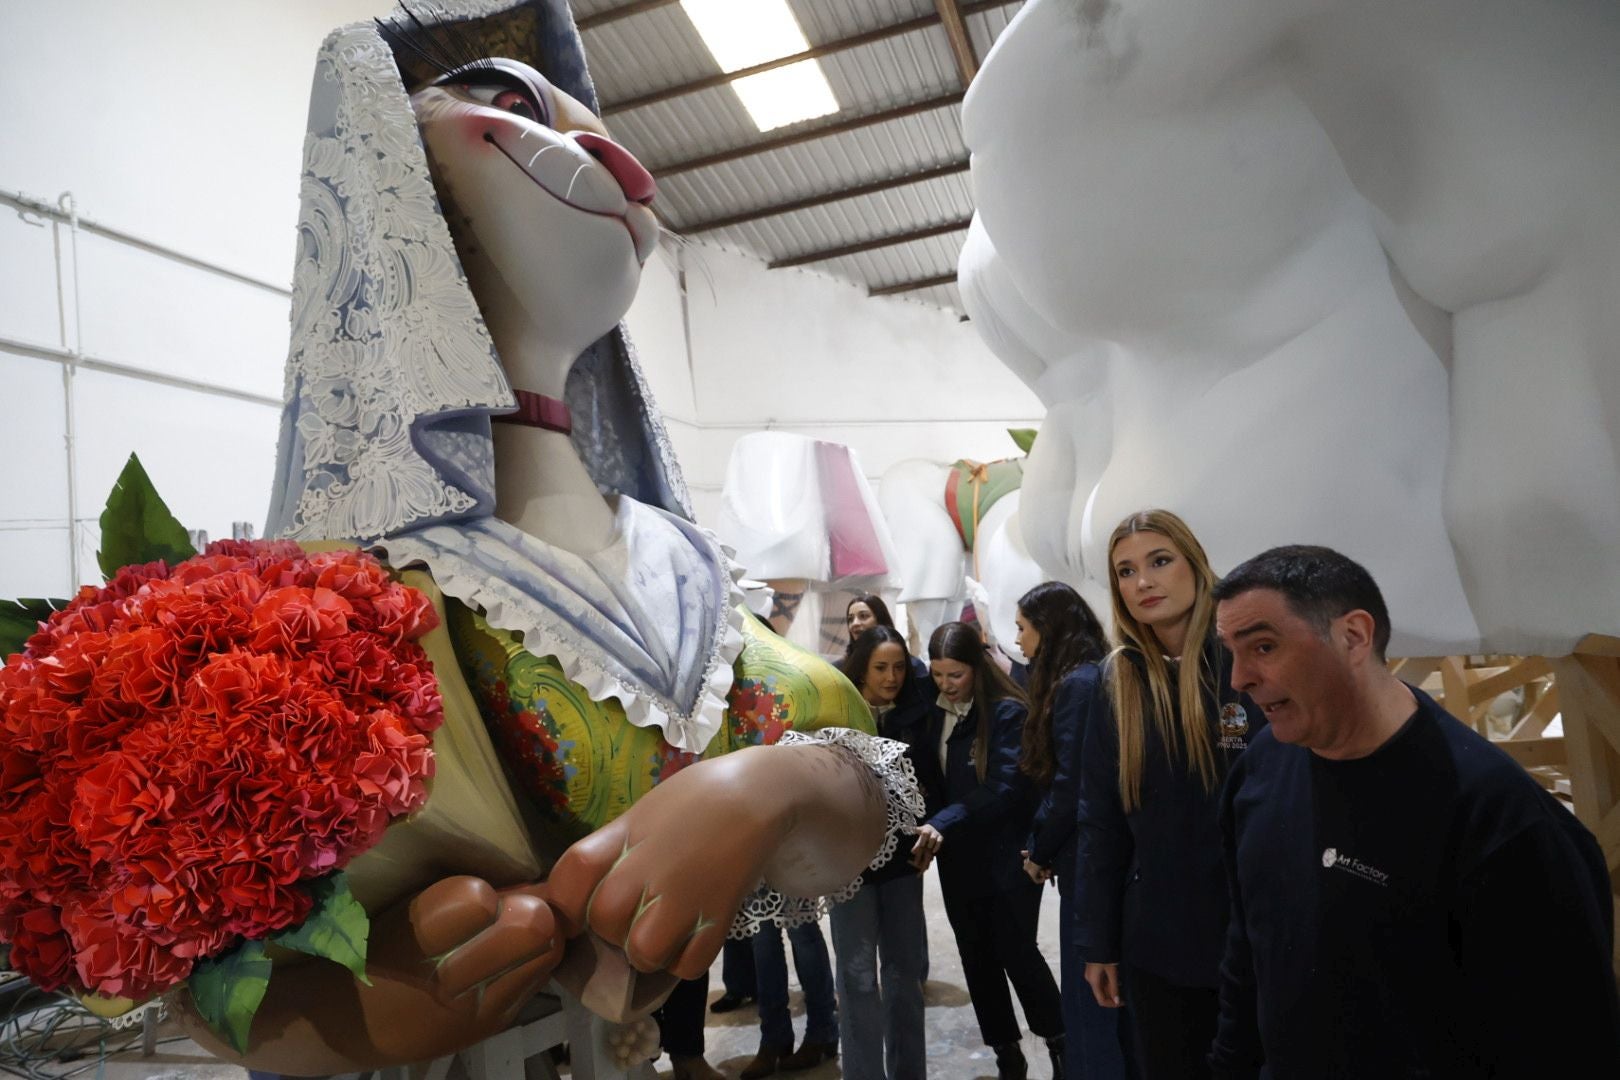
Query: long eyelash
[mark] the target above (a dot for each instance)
(447, 50)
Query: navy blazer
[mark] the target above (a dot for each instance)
(984, 824)
(908, 722)
(1151, 883)
(1052, 835)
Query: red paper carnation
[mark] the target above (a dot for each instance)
(182, 747)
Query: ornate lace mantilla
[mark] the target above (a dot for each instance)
(903, 803)
(654, 620)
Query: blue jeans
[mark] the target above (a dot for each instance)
(815, 976)
(1094, 1037)
(880, 932)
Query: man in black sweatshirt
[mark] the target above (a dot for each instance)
(1406, 900)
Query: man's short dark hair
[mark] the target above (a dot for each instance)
(1319, 584)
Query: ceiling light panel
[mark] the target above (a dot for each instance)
(742, 33)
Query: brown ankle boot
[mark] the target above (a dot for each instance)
(765, 1063)
(694, 1068)
(809, 1055)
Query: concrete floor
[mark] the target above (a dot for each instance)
(955, 1051)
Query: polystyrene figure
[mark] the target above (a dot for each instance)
(1319, 271)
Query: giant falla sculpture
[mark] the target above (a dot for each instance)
(468, 230)
(1319, 271)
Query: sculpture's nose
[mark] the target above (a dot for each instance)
(637, 182)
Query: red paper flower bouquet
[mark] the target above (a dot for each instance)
(190, 752)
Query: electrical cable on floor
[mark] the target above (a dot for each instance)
(51, 1037)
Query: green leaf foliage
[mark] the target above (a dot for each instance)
(228, 989)
(19, 621)
(1023, 436)
(336, 929)
(136, 527)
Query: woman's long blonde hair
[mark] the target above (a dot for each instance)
(1188, 742)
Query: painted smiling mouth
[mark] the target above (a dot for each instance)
(621, 218)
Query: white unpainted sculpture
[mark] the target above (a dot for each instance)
(1319, 271)
(934, 574)
(801, 516)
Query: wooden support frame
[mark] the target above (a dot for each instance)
(820, 131)
(870, 188)
(893, 239)
(950, 17)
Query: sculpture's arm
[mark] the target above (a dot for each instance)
(454, 964)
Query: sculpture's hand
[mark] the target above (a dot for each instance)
(488, 951)
(663, 881)
(448, 967)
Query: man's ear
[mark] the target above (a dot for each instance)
(1355, 630)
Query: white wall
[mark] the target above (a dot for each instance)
(181, 122)
(798, 351)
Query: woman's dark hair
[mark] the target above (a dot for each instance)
(1070, 636)
(962, 643)
(880, 610)
(859, 657)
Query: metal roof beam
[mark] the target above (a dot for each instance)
(912, 286)
(870, 188)
(950, 17)
(922, 22)
(602, 18)
(821, 131)
(891, 240)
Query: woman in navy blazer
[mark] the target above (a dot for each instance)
(1060, 635)
(992, 904)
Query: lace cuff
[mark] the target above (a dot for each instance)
(903, 805)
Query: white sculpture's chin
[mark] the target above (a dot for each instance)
(1325, 273)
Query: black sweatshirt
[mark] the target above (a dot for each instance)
(1425, 911)
(1151, 885)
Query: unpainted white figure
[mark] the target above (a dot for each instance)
(936, 575)
(801, 516)
(1323, 272)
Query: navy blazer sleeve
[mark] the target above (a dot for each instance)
(1055, 820)
(1237, 1053)
(1005, 788)
(1104, 846)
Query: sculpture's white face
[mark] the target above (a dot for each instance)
(549, 215)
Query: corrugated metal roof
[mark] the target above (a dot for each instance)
(656, 50)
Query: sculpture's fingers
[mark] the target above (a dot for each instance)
(524, 931)
(505, 995)
(449, 913)
(574, 880)
(658, 936)
(621, 899)
(701, 949)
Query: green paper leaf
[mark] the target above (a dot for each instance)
(19, 621)
(1023, 436)
(337, 927)
(136, 527)
(228, 990)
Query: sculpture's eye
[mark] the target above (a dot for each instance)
(516, 103)
(510, 96)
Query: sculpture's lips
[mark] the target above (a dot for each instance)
(637, 220)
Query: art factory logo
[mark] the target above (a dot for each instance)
(1332, 859)
(1234, 726)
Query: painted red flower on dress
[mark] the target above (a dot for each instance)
(182, 747)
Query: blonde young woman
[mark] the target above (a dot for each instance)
(1164, 730)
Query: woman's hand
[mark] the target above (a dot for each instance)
(927, 846)
(1104, 980)
(1039, 874)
